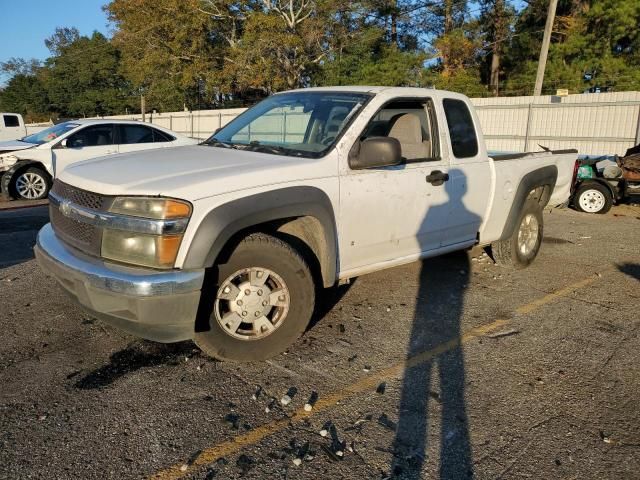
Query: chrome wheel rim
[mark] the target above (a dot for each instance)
(592, 201)
(31, 185)
(528, 234)
(252, 303)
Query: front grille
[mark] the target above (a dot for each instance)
(82, 236)
(78, 196)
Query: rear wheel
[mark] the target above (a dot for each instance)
(592, 197)
(31, 184)
(519, 250)
(263, 300)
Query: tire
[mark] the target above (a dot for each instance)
(592, 197)
(30, 184)
(521, 249)
(289, 291)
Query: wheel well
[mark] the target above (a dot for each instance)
(598, 181)
(304, 233)
(17, 169)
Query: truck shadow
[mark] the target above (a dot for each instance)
(18, 232)
(631, 269)
(434, 378)
(137, 355)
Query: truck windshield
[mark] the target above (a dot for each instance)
(50, 133)
(303, 124)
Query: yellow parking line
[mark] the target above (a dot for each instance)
(368, 383)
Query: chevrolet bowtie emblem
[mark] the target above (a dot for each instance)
(65, 208)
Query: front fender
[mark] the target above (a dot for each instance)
(225, 221)
(7, 177)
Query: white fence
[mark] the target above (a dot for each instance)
(595, 124)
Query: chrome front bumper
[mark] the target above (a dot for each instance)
(157, 305)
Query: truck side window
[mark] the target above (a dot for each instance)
(11, 121)
(464, 141)
(408, 122)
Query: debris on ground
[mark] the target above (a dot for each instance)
(269, 407)
(311, 402)
(233, 419)
(257, 393)
(367, 368)
(245, 463)
(381, 388)
(287, 397)
(504, 333)
(386, 422)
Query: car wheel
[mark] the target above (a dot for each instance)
(31, 184)
(593, 197)
(262, 301)
(519, 250)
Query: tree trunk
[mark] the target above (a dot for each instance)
(499, 37)
(394, 22)
(448, 27)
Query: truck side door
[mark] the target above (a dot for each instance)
(398, 212)
(470, 175)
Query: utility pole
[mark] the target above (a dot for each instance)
(143, 108)
(542, 62)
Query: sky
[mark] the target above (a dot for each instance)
(28, 22)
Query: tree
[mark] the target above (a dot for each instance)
(82, 79)
(25, 94)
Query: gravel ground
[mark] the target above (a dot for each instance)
(450, 368)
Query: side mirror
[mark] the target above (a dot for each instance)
(61, 144)
(377, 152)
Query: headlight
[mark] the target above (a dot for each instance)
(158, 208)
(146, 249)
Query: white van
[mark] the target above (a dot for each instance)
(12, 126)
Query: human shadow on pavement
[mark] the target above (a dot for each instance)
(435, 353)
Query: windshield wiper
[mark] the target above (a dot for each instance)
(261, 147)
(218, 143)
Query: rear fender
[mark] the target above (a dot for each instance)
(545, 178)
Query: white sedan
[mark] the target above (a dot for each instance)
(28, 165)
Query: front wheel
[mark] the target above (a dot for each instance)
(263, 300)
(519, 250)
(592, 197)
(31, 184)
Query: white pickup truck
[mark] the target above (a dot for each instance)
(227, 242)
(11, 126)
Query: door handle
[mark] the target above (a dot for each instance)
(437, 178)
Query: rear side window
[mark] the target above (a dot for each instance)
(464, 141)
(11, 121)
(94, 136)
(135, 134)
(159, 136)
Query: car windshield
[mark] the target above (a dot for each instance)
(304, 124)
(50, 133)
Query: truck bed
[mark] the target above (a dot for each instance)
(507, 172)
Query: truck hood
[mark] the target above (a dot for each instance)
(13, 145)
(190, 173)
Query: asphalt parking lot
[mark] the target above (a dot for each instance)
(451, 368)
